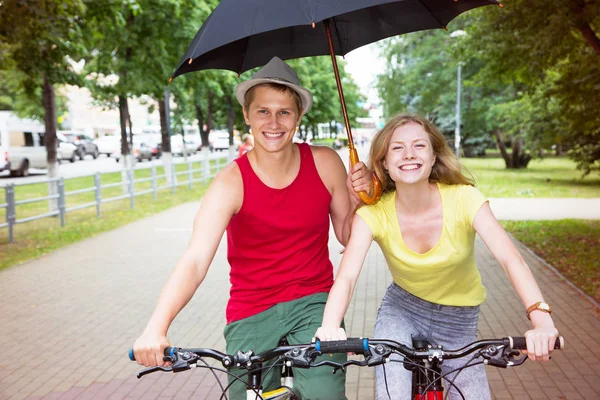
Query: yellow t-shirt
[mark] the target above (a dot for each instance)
(447, 274)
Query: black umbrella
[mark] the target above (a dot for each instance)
(241, 35)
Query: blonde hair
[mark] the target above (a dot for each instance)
(447, 169)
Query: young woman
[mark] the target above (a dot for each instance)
(425, 224)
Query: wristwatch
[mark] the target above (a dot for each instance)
(540, 305)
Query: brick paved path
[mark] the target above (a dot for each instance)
(68, 319)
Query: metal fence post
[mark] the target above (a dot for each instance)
(172, 178)
(61, 200)
(190, 175)
(154, 181)
(10, 210)
(98, 193)
(131, 188)
(206, 165)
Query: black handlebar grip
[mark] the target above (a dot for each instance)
(520, 343)
(352, 345)
(169, 351)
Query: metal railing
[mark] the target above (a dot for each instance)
(207, 170)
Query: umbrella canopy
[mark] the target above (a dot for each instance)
(241, 35)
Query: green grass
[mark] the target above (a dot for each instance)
(550, 177)
(323, 142)
(571, 246)
(35, 238)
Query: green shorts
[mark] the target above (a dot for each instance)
(297, 321)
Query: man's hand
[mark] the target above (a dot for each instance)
(360, 179)
(149, 349)
(328, 334)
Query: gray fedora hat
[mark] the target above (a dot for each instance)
(276, 71)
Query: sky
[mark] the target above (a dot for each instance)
(364, 65)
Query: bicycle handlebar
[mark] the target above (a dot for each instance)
(496, 352)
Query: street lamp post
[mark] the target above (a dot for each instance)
(458, 34)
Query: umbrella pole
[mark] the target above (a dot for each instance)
(339, 87)
(377, 189)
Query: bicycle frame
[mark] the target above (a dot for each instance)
(285, 392)
(424, 372)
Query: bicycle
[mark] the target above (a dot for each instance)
(424, 359)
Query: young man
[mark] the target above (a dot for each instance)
(275, 203)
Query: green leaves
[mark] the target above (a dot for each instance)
(530, 70)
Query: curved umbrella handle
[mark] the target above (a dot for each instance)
(377, 189)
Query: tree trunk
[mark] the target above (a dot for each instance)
(165, 136)
(123, 119)
(49, 104)
(210, 123)
(203, 132)
(516, 151)
(164, 128)
(579, 20)
(502, 147)
(130, 124)
(50, 141)
(520, 159)
(126, 157)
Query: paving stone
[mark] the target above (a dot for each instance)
(78, 310)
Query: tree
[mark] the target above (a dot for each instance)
(421, 77)
(554, 45)
(316, 74)
(22, 101)
(161, 48)
(39, 38)
(114, 37)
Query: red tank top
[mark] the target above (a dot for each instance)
(277, 242)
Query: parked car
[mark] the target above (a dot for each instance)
(179, 145)
(219, 140)
(152, 140)
(193, 142)
(156, 149)
(108, 145)
(67, 151)
(22, 144)
(4, 164)
(85, 144)
(141, 151)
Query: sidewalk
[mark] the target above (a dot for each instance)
(535, 209)
(68, 319)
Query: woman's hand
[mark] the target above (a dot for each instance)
(149, 349)
(360, 179)
(540, 343)
(328, 334)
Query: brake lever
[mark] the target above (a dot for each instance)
(153, 369)
(502, 357)
(338, 366)
(516, 361)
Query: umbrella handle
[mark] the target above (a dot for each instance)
(364, 196)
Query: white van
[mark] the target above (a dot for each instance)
(22, 144)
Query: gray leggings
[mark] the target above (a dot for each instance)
(402, 316)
